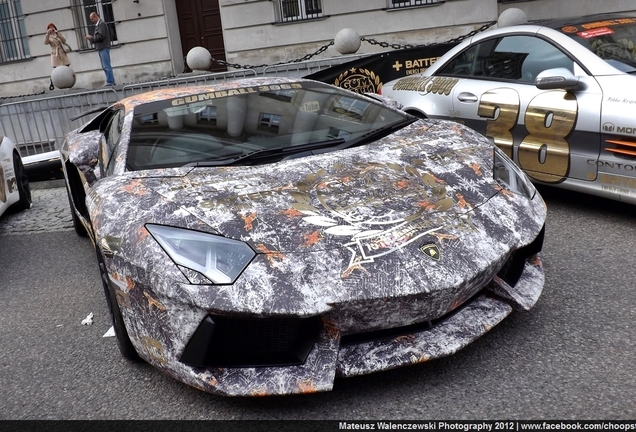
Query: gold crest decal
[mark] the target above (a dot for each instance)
(431, 250)
(359, 80)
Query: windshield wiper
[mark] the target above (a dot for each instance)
(279, 152)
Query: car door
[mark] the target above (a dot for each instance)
(551, 134)
(428, 95)
(110, 140)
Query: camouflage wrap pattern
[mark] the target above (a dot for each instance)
(394, 233)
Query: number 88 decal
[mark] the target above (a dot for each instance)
(550, 117)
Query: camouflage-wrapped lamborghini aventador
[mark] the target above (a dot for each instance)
(265, 236)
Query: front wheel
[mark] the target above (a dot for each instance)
(123, 340)
(22, 183)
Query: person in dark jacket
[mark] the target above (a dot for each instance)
(101, 40)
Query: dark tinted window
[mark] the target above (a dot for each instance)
(112, 135)
(519, 58)
(471, 61)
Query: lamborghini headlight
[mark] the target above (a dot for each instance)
(510, 176)
(218, 258)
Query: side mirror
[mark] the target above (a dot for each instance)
(557, 78)
(85, 156)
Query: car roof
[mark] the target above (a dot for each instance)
(590, 21)
(559, 30)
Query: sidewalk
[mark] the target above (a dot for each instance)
(50, 211)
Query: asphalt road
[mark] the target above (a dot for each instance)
(571, 357)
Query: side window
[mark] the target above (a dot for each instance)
(471, 61)
(519, 58)
(524, 57)
(112, 133)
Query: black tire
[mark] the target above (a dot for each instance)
(22, 182)
(77, 223)
(126, 347)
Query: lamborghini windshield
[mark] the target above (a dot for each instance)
(231, 125)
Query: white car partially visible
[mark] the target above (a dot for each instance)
(15, 192)
(43, 166)
(557, 97)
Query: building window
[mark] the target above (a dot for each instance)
(207, 115)
(13, 41)
(280, 95)
(335, 133)
(83, 25)
(269, 122)
(401, 4)
(352, 108)
(151, 119)
(299, 10)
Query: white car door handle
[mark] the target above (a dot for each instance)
(467, 97)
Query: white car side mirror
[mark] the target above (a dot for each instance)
(557, 78)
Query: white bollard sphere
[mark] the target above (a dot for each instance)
(199, 59)
(63, 77)
(511, 17)
(347, 41)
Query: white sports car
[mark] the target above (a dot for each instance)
(15, 194)
(558, 97)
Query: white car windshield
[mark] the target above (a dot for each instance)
(613, 40)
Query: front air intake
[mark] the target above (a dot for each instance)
(222, 341)
(513, 268)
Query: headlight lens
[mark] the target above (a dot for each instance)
(510, 176)
(218, 258)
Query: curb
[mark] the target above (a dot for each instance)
(47, 184)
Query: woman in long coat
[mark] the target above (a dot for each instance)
(56, 40)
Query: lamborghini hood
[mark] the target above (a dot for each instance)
(421, 178)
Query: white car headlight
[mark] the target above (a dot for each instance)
(218, 258)
(510, 176)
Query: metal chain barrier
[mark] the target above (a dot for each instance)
(386, 44)
(298, 60)
(453, 40)
(362, 38)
